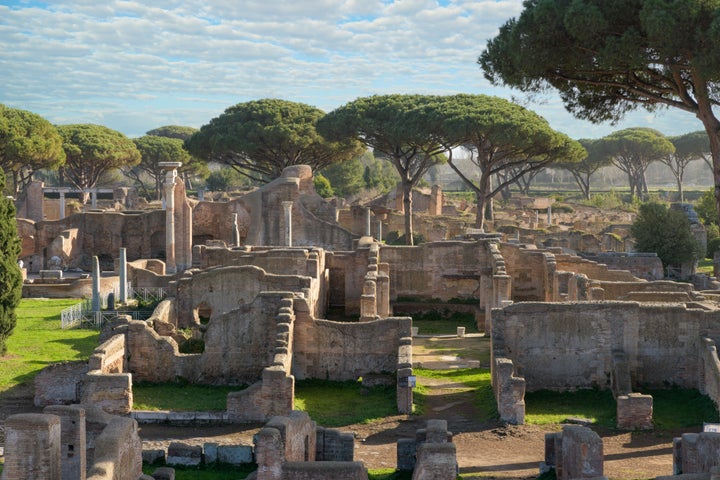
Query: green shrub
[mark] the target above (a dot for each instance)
(322, 186)
(192, 345)
(712, 247)
(395, 238)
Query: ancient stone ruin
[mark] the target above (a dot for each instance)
(254, 280)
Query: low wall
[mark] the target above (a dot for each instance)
(287, 448)
(346, 351)
(696, 453)
(575, 452)
(570, 345)
(110, 356)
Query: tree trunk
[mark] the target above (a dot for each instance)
(407, 202)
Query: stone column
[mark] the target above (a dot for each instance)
(169, 186)
(93, 198)
(95, 284)
(123, 275)
(235, 231)
(201, 194)
(287, 207)
(368, 233)
(62, 205)
(379, 230)
(549, 215)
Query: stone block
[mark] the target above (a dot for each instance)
(406, 450)
(235, 454)
(183, 454)
(210, 450)
(582, 451)
(153, 455)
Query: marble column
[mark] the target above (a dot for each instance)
(368, 233)
(235, 231)
(93, 198)
(62, 205)
(96, 305)
(287, 207)
(379, 230)
(123, 275)
(169, 187)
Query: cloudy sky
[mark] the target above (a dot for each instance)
(134, 66)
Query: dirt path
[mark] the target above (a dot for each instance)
(487, 448)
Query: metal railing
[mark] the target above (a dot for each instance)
(81, 314)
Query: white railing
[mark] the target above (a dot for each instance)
(80, 313)
(74, 315)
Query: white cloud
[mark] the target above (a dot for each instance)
(134, 66)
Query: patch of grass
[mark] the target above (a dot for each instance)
(475, 378)
(681, 408)
(38, 341)
(337, 404)
(443, 323)
(181, 397)
(207, 472)
(388, 474)
(548, 407)
(705, 265)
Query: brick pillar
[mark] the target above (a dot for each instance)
(32, 447)
(72, 440)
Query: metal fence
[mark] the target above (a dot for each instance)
(82, 315)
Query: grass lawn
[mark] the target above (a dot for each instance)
(336, 404)
(207, 472)
(475, 378)
(38, 341)
(181, 397)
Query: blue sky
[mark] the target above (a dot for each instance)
(134, 66)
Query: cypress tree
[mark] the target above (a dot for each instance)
(10, 276)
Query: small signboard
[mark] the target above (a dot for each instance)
(405, 382)
(711, 427)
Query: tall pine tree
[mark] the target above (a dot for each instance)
(10, 276)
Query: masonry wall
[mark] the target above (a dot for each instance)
(570, 345)
(532, 272)
(346, 351)
(225, 289)
(437, 270)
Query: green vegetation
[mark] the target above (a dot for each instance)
(337, 404)
(207, 472)
(681, 408)
(548, 407)
(672, 408)
(443, 323)
(181, 396)
(39, 341)
(10, 275)
(93, 150)
(475, 378)
(240, 136)
(666, 232)
(388, 474)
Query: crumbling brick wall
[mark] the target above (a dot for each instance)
(570, 345)
(286, 448)
(438, 270)
(575, 452)
(696, 453)
(225, 289)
